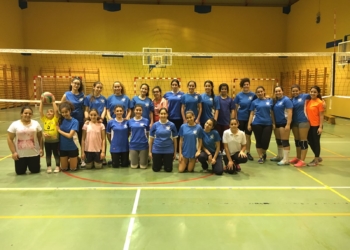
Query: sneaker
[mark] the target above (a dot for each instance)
(205, 171)
(57, 170)
(109, 162)
(261, 161)
(104, 162)
(238, 168)
(294, 160)
(320, 159)
(300, 164)
(276, 159)
(313, 164)
(250, 157)
(283, 163)
(82, 164)
(264, 156)
(49, 170)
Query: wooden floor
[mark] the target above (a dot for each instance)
(263, 207)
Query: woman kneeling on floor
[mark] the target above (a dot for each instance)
(211, 148)
(235, 144)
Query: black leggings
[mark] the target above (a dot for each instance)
(160, 160)
(262, 135)
(52, 148)
(314, 140)
(33, 163)
(218, 169)
(236, 159)
(120, 159)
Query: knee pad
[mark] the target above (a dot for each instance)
(98, 164)
(88, 165)
(297, 143)
(303, 145)
(279, 142)
(285, 143)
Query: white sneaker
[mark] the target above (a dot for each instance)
(82, 164)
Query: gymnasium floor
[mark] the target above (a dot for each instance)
(263, 207)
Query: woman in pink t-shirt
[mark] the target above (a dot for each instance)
(93, 146)
(158, 102)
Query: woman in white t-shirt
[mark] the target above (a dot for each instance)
(25, 141)
(235, 145)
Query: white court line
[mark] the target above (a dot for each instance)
(132, 220)
(175, 188)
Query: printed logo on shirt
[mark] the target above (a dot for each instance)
(196, 97)
(146, 104)
(250, 97)
(211, 99)
(178, 96)
(280, 103)
(267, 103)
(81, 99)
(123, 99)
(142, 124)
(125, 126)
(102, 101)
(194, 131)
(167, 127)
(212, 137)
(299, 100)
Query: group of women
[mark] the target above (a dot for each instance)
(215, 130)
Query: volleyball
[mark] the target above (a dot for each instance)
(47, 97)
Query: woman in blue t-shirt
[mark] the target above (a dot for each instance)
(211, 148)
(282, 110)
(118, 98)
(210, 103)
(190, 143)
(261, 121)
(191, 102)
(145, 102)
(243, 101)
(163, 143)
(75, 95)
(117, 135)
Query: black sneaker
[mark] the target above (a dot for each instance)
(250, 157)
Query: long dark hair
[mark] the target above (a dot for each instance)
(93, 97)
(318, 91)
(66, 104)
(81, 83)
(212, 88)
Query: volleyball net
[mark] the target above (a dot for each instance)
(28, 73)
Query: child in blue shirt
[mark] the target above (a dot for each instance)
(68, 128)
(163, 143)
(117, 135)
(139, 128)
(190, 143)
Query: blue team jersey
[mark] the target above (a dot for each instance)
(174, 104)
(226, 106)
(138, 137)
(78, 102)
(119, 136)
(163, 134)
(190, 135)
(280, 110)
(98, 103)
(191, 102)
(114, 100)
(67, 144)
(244, 100)
(299, 114)
(147, 105)
(209, 106)
(262, 109)
(210, 139)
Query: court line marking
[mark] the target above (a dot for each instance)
(132, 220)
(335, 153)
(133, 216)
(174, 188)
(329, 188)
(5, 157)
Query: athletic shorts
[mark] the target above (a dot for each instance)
(280, 125)
(69, 153)
(301, 124)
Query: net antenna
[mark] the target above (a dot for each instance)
(343, 53)
(157, 57)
